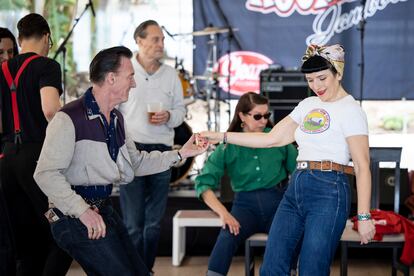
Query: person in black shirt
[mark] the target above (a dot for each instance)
(37, 100)
(8, 49)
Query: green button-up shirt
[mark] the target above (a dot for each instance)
(248, 168)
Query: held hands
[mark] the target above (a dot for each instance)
(160, 118)
(94, 223)
(366, 230)
(212, 137)
(231, 222)
(194, 146)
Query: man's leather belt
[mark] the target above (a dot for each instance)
(325, 166)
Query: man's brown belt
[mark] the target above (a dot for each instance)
(325, 166)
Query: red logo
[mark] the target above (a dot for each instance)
(245, 70)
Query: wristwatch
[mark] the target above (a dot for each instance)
(180, 158)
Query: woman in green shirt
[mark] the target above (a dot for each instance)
(257, 177)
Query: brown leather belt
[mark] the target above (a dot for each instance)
(325, 166)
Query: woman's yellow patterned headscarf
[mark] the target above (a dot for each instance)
(334, 54)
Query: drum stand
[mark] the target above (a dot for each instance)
(211, 85)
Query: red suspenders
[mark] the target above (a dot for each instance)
(13, 88)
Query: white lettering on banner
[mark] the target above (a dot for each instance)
(337, 22)
(329, 18)
(285, 8)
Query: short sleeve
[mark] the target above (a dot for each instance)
(355, 123)
(51, 75)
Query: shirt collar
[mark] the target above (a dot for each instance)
(92, 107)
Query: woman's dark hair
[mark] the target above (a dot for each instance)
(5, 33)
(317, 63)
(141, 30)
(108, 60)
(32, 25)
(245, 104)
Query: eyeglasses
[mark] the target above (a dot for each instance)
(50, 42)
(258, 117)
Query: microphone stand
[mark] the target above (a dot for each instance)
(62, 49)
(361, 28)
(168, 33)
(230, 39)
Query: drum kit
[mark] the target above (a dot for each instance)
(191, 91)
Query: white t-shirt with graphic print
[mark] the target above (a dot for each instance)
(324, 127)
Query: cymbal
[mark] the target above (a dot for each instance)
(208, 77)
(210, 31)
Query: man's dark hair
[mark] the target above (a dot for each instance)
(5, 33)
(141, 30)
(107, 60)
(32, 25)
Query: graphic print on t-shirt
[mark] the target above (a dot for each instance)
(316, 121)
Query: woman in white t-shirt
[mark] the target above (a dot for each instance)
(330, 129)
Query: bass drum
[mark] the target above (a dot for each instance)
(181, 169)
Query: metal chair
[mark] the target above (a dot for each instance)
(256, 240)
(350, 237)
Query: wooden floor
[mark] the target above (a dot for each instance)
(193, 266)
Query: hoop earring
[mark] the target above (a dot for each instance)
(242, 124)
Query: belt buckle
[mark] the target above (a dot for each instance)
(51, 216)
(326, 170)
(302, 165)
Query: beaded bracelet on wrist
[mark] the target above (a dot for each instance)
(364, 216)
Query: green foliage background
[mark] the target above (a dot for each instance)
(60, 15)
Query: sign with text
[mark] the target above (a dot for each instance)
(281, 31)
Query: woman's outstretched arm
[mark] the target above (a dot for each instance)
(281, 134)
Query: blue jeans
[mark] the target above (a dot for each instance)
(254, 210)
(143, 203)
(112, 255)
(315, 209)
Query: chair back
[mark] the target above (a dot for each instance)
(385, 154)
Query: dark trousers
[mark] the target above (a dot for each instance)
(36, 253)
(143, 203)
(254, 210)
(112, 255)
(7, 263)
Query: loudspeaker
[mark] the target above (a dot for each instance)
(284, 89)
(280, 111)
(387, 181)
(387, 185)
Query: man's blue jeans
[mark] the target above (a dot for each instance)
(254, 210)
(143, 203)
(315, 208)
(112, 255)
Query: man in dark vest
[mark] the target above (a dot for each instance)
(87, 151)
(30, 86)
